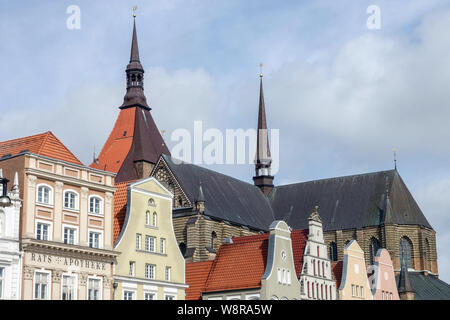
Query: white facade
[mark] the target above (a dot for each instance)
(316, 279)
(10, 255)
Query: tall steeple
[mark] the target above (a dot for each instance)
(135, 77)
(263, 160)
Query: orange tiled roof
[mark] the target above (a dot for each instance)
(239, 265)
(44, 144)
(118, 143)
(120, 207)
(196, 276)
(336, 267)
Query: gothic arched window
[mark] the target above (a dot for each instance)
(404, 251)
(213, 238)
(427, 254)
(333, 251)
(373, 248)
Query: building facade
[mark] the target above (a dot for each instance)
(382, 277)
(150, 266)
(316, 279)
(10, 255)
(354, 284)
(66, 220)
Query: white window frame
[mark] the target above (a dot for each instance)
(132, 268)
(147, 217)
(75, 287)
(77, 200)
(162, 245)
(154, 219)
(155, 296)
(50, 195)
(173, 295)
(133, 293)
(101, 209)
(151, 266)
(100, 296)
(100, 241)
(76, 236)
(50, 229)
(149, 249)
(2, 281)
(168, 273)
(49, 283)
(138, 243)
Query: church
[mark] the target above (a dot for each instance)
(376, 209)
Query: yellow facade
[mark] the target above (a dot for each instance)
(354, 283)
(148, 247)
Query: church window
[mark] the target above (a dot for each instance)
(333, 251)
(213, 238)
(405, 251)
(373, 248)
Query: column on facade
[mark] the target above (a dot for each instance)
(30, 207)
(108, 221)
(57, 211)
(84, 216)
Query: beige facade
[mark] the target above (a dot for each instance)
(354, 281)
(151, 266)
(65, 228)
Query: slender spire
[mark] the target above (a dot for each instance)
(263, 160)
(395, 158)
(135, 76)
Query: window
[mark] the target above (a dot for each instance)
(128, 295)
(2, 272)
(70, 200)
(162, 244)
(404, 249)
(147, 218)
(95, 205)
(361, 292)
(373, 248)
(154, 219)
(318, 251)
(41, 285)
(94, 239)
(353, 290)
(213, 238)
(168, 271)
(138, 241)
(151, 202)
(333, 251)
(44, 194)
(150, 243)
(42, 231)
(314, 266)
(149, 271)
(68, 287)
(307, 285)
(182, 247)
(93, 289)
(69, 235)
(149, 296)
(169, 297)
(131, 272)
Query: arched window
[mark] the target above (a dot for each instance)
(318, 251)
(44, 194)
(333, 251)
(213, 238)
(326, 292)
(373, 248)
(405, 249)
(95, 205)
(302, 287)
(312, 288)
(317, 290)
(70, 200)
(307, 285)
(182, 247)
(151, 202)
(155, 219)
(331, 295)
(323, 269)
(321, 291)
(314, 266)
(147, 218)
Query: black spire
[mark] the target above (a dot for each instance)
(135, 78)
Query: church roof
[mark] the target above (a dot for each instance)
(226, 198)
(427, 287)
(348, 202)
(44, 144)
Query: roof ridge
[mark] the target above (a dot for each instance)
(50, 134)
(339, 177)
(27, 137)
(46, 135)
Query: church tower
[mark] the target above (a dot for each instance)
(263, 160)
(135, 143)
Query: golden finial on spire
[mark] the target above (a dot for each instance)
(260, 70)
(134, 11)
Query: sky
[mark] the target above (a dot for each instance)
(341, 95)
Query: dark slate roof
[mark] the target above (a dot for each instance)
(226, 198)
(428, 287)
(348, 202)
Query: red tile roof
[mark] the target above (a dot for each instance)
(118, 143)
(336, 267)
(196, 276)
(44, 144)
(120, 208)
(239, 265)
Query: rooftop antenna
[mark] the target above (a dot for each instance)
(395, 158)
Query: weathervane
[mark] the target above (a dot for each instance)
(260, 70)
(395, 158)
(134, 11)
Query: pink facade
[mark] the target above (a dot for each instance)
(382, 278)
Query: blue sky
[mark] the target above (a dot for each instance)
(342, 96)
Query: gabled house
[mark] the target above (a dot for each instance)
(382, 277)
